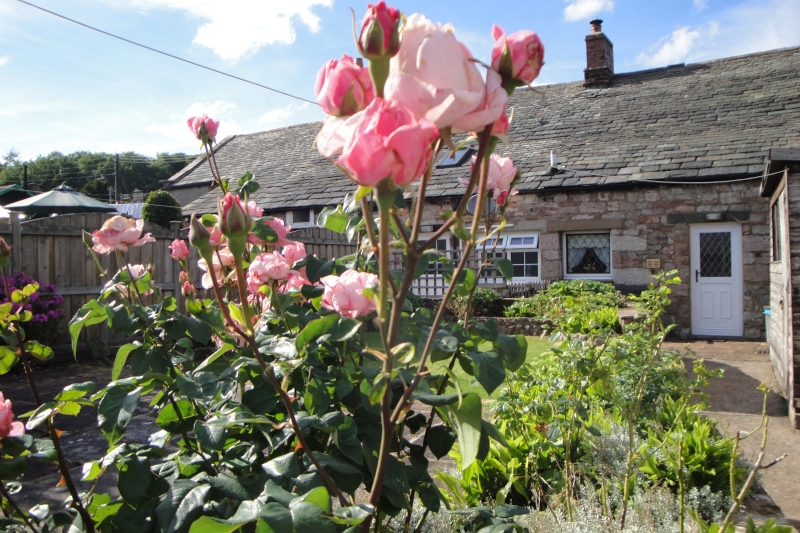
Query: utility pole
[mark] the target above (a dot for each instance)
(116, 176)
(25, 177)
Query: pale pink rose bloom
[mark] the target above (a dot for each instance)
(137, 271)
(343, 88)
(206, 280)
(215, 236)
(180, 252)
(225, 256)
(388, 142)
(432, 73)
(280, 230)
(8, 427)
(527, 53)
(266, 267)
(345, 294)
(295, 282)
(501, 173)
(203, 125)
(334, 133)
(502, 125)
(253, 210)
(294, 252)
(119, 232)
(489, 111)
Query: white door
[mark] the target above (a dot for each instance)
(716, 279)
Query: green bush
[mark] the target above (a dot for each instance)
(484, 303)
(161, 208)
(550, 302)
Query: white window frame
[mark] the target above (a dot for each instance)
(603, 277)
(296, 225)
(505, 247)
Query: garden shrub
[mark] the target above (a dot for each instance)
(484, 303)
(161, 208)
(45, 306)
(550, 303)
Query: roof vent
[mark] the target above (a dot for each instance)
(599, 57)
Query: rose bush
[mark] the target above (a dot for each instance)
(269, 396)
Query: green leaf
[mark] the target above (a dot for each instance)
(11, 469)
(362, 191)
(120, 359)
(90, 314)
(318, 496)
(134, 479)
(308, 517)
(315, 329)
(225, 348)
(440, 440)
(332, 218)
(353, 515)
(75, 391)
(492, 431)
(487, 367)
(275, 518)
(513, 349)
(505, 267)
(177, 421)
(247, 512)
(181, 506)
(115, 411)
(38, 350)
(40, 415)
(8, 358)
(378, 389)
(467, 424)
(209, 437)
(316, 399)
(69, 408)
(437, 400)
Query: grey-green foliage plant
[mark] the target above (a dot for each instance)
(161, 208)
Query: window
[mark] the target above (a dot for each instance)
(300, 218)
(442, 245)
(457, 159)
(777, 229)
(522, 249)
(587, 255)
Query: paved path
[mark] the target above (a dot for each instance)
(736, 404)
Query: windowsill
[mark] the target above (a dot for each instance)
(599, 277)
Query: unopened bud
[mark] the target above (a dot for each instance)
(188, 290)
(234, 223)
(380, 32)
(199, 238)
(87, 239)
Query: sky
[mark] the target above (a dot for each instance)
(66, 88)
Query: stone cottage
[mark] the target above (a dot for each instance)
(623, 175)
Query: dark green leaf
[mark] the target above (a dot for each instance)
(316, 398)
(492, 431)
(181, 506)
(378, 389)
(310, 517)
(75, 391)
(177, 421)
(40, 415)
(274, 518)
(134, 479)
(115, 411)
(505, 267)
(437, 400)
(487, 367)
(121, 358)
(440, 440)
(11, 469)
(209, 437)
(513, 349)
(315, 329)
(353, 515)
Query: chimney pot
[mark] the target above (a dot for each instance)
(360, 62)
(599, 58)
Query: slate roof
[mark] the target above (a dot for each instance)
(703, 121)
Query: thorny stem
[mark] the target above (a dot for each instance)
(369, 222)
(242, 283)
(285, 398)
(11, 502)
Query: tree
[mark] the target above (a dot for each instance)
(96, 189)
(161, 208)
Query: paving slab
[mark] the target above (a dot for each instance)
(736, 403)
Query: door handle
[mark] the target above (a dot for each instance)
(697, 275)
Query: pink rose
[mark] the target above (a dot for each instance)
(432, 74)
(215, 236)
(119, 232)
(253, 210)
(225, 256)
(294, 252)
(502, 198)
(343, 88)
(345, 294)
(206, 281)
(502, 124)
(266, 267)
(490, 110)
(188, 290)
(380, 35)
(518, 56)
(180, 252)
(234, 219)
(280, 230)
(8, 428)
(388, 142)
(204, 128)
(501, 173)
(295, 282)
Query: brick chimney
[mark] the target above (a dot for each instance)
(599, 58)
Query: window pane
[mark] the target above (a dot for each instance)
(715, 255)
(517, 258)
(301, 216)
(519, 271)
(516, 240)
(589, 253)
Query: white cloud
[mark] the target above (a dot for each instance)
(177, 130)
(237, 28)
(583, 9)
(281, 116)
(761, 33)
(4, 60)
(678, 46)
(700, 4)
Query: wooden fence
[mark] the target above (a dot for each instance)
(52, 250)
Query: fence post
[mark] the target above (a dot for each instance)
(176, 226)
(16, 242)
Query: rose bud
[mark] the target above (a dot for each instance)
(517, 57)
(234, 223)
(199, 237)
(343, 88)
(179, 250)
(380, 32)
(204, 128)
(188, 290)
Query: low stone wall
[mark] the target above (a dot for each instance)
(517, 325)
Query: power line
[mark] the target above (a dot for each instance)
(165, 53)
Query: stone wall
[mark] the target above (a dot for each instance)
(517, 325)
(651, 222)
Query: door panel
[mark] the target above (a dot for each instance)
(716, 279)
